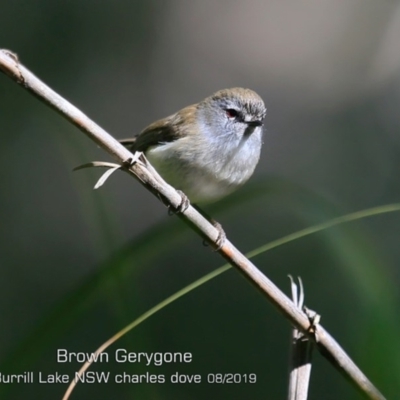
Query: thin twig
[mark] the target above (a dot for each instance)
(301, 353)
(147, 176)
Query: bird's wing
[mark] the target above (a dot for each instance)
(165, 130)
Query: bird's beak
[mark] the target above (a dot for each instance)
(254, 123)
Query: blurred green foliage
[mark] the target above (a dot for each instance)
(78, 265)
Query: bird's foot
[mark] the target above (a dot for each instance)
(219, 243)
(183, 205)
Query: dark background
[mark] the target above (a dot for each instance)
(78, 265)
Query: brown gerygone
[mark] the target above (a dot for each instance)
(208, 149)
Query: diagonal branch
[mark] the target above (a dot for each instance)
(148, 177)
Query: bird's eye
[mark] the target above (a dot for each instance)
(232, 113)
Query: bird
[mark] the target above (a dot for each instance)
(209, 149)
(206, 150)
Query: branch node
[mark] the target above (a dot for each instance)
(314, 320)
